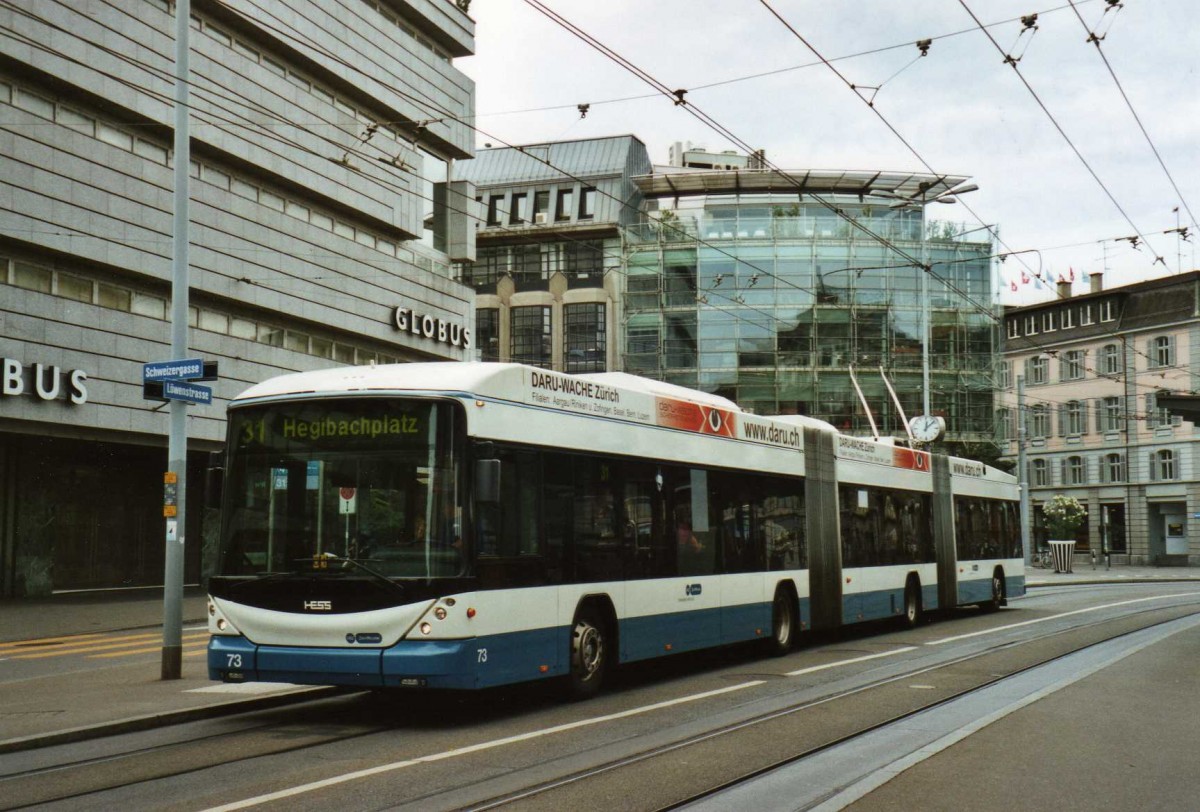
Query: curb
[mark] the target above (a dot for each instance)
(150, 721)
(1117, 581)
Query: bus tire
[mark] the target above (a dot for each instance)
(997, 599)
(589, 654)
(912, 603)
(784, 622)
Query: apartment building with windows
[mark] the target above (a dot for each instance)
(323, 135)
(1094, 367)
(548, 270)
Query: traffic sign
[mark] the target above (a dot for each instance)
(181, 370)
(191, 392)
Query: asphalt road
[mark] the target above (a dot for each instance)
(729, 721)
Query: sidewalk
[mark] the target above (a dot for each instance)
(73, 705)
(1086, 573)
(78, 701)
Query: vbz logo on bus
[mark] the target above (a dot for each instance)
(692, 589)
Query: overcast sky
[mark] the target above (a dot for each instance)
(961, 108)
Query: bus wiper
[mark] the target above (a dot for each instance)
(330, 557)
(258, 578)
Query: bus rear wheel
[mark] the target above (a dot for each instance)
(912, 604)
(783, 623)
(997, 599)
(589, 655)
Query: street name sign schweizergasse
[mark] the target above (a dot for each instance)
(175, 380)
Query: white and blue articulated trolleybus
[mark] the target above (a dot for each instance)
(463, 525)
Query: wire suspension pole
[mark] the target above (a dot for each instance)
(172, 648)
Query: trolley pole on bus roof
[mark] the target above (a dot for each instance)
(172, 648)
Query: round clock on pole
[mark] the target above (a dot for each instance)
(927, 428)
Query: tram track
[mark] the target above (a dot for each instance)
(530, 797)
(84, 780)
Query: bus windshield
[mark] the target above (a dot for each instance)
(323, 486)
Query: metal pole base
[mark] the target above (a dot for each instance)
(172, 662)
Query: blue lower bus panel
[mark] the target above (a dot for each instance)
(236, 659)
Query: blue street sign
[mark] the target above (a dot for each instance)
(191, 392)
(180, 370)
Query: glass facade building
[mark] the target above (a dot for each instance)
(773, 299)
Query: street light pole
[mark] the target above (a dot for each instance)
(947, 196)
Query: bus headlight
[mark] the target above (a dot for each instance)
(426, 628)
(439, 613)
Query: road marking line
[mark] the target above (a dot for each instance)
(958, 637)
(849, 662)
(473, 748)
(19, 645)
(197, 647)
(102, 644)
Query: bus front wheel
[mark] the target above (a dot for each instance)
(589, 655)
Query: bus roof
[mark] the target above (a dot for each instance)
(489, 378)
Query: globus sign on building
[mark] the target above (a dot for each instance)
(410, 321)
(44, 381)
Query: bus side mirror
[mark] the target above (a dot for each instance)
(214, 480)
(487, 481)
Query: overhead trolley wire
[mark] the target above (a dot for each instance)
(1094, 39)
(1016, 69)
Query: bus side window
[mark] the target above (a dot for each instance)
(520, 482)
(644, 536)
(557, 506)
(599, 547)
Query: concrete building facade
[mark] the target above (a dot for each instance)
(323, 228)
(1094, 368)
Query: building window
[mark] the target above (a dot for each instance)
(586, 338)
(1112, 468)
(584, 259)
(1038, 473)
(1048, 322)
(1004, 425)
(495, 202)
(1014, 328)
(1004, 375)
(1109, 414)
(1106, 311)
(1073, 470)
(587, 204)
(1072, 419)
(1068, 318)
(562, 211)
(1085, 316)
(1157, 416)
(520, 209)
(1070, 368)
(541, 205)
(487, 333)
(1039, 421)
(1162, 465)
(1162, 351)
(1030, 325)
(531, 336)
(1037, 369)
(1110, 359)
